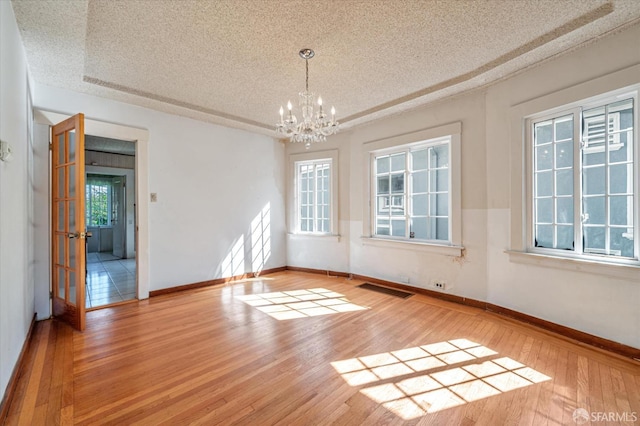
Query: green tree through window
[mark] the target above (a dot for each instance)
(98, 201)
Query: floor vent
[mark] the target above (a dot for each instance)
(386, 290)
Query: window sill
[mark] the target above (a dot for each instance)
(447, 250)
(310, 236)
(609, 269)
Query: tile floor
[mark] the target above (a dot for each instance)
(109, 279)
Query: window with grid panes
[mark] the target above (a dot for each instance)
(585, 192)
(97, 201)
(313, 196)
(412, 192)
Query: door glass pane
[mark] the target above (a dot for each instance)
(72, 216)
(72, 287)
(72, 181)
(72, 146)
(61, 242)
(61, 158)
(72, 253)
(61, 280)
(61, 182)
(60, 224)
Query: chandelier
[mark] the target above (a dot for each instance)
(313, 127)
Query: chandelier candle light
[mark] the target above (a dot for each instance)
(313, 127)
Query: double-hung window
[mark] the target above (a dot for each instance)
(411, 188)
(314, 196)
(584, 180)
(98, 201)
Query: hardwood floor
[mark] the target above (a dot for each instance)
(238, 354)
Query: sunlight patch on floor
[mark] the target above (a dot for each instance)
(435, 377)
(285, 305)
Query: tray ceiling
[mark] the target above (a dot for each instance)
(234, 62)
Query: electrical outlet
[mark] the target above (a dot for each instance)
(439, 284)
(404, 279)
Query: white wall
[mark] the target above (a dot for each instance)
(598, 302)
(466, 276)
(16, 250)
(211, 182)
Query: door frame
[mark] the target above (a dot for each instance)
(140, 136)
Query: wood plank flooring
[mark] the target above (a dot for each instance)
(296, 349)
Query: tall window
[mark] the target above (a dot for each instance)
(412, 192)
(313, 198)
(98, 201)
(585, 191)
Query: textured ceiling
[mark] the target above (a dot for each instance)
(234, 62)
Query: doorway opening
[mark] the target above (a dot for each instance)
(111, 275)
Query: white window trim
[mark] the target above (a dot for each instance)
(621, 83)
(292, 220)
(452, 131)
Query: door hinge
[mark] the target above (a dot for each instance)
(50, 294)
(50, 146)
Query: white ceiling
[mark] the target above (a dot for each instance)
(234, 62)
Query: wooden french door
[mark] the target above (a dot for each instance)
(68, 221)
